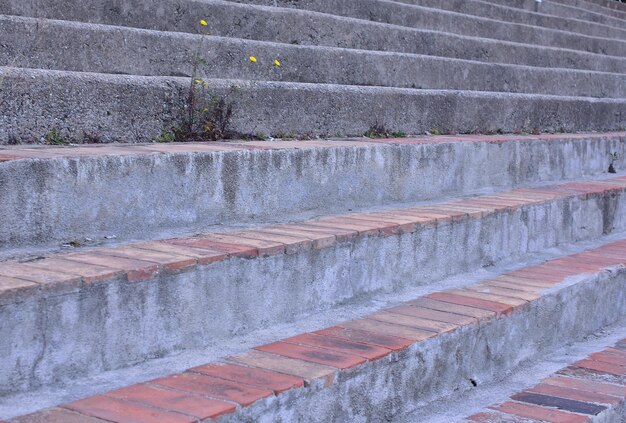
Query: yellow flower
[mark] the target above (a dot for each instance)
(205, 110)
(203, 22)
(276, 63)
(196, 81)
(252, 59)
(205, 84)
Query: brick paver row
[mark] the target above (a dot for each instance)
(144, 260)
(8, 154)
(574, 394)
(215, 389)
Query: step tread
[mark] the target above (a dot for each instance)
(297, 362)
(584, 389)
(141, 261)
(37, 152)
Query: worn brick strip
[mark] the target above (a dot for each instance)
(582, 390)
(574, 394)
(50, 152)
(144, 260)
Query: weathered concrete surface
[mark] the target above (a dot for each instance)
(136, 109)
(291, 26)
(414, 16)
(379, 391)
(104, 326)
(564, 10)
(69, 198)
(33, 43)
(512, 14)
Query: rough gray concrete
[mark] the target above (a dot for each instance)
(380, 390)
(564, 10)
(290, 26)
(105, 326)
(512, 14)
(525, 376)
(136, 109)
(33, 43)
(72, 198)
(414, 16)
(50, 395)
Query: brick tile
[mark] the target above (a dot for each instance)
(590, 374)
(539, 413)
(89, 272)
(426, 313)
(41, 276)
(574, 394)
(369, 338)
(340, 234)
(428, 214)
(587, 385)
(229, 250)
(498, 298)
(202, 256)
(304, 369)
(493, 417)
(213, 387)
(12, 289)
(264, 248)
(607, 357)
(370, 352)
(573, 406)
(413, 321)
(444, 213)
(120, 411)
(363, 228)
(495, 206)
(167, 399)
(318, 240)
(383, 328)
(507, 292)
(514, 286)
(601, 367)
(468, 301)
(293, 244)
(469, 211)
(56, 415)
(536, 277)
(169, 261)
(264, 379)
(136, 270)
(447, 307)
(312, 354)
(412, 216)
(388, 223)
(528, 280)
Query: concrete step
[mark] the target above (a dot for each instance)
(619, 11)
(325, 177)
(384, 364)
(112, 307)
(563, 10)
(592, 389)
(414, 16)
(503, 12)
(290, 26)
(105, 108)
(33, 43)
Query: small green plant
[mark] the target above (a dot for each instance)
(166, 137)
(435, 132)
(613, 158)
(54, 137)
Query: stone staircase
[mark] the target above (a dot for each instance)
(301, 271)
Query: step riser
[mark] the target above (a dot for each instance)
(510, 14)
(104, 326)
(598, 7)
(564, 11)
(445, 365)
(116, 108)
(324, 180)
(438, 20)
(91, 48)
(301, 27)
